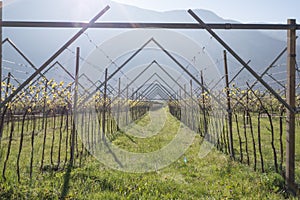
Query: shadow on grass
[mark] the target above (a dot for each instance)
(130, 138)
(112, 153)
(121, 132)
(66, 185)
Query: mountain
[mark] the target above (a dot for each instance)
(39, 44)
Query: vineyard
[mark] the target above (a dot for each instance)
(54, 132)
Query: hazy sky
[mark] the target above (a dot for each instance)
(276, 11)
(240, 10)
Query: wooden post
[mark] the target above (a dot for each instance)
(75, 108)
(180, 103)
(1, 4)
(290, 96)
(45, 103)
(7, 84)
(192, 110)
(119, 96)
(127, 105)
(104, 106)
(247, 106)
(131, 109)
(4, 110)
(185, 111)
(231, 149)
(203, 105)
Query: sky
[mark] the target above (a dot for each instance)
(276, 11)
(245, 11)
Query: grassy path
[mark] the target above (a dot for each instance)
(190, 177)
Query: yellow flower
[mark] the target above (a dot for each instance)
(54, 85)
(50, 81)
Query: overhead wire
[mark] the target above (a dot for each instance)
(107, 56)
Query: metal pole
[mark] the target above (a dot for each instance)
(186, 71)
(238, 72)
(265, 72)
(75, 107)
(152, 86)
(135, 25)
(231, 149)
(240, 60)
(55, 55)
(290, 96)
(138, 76)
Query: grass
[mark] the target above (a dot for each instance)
(215, 176)
(266, 146)
(127, 141)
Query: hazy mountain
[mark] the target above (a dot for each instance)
(39, 44)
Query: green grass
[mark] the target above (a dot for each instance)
(215, 176)
(142, 145)
(266, 146)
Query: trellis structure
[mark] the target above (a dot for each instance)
(291, 27)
